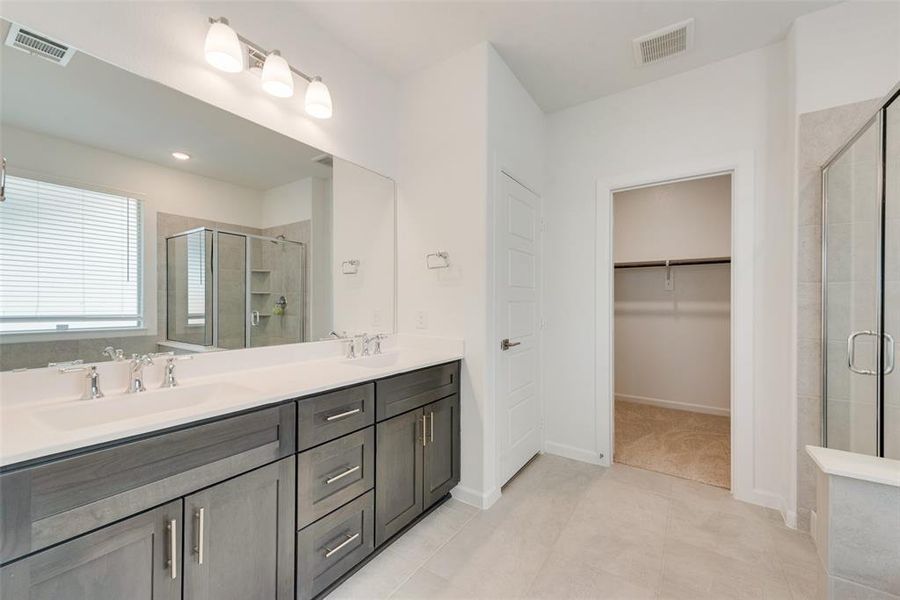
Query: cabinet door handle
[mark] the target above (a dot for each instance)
(172, 563)
(343, 415)
(432, 426)
(198, 548)
(340, 476)
(329, 552)
(424, 435)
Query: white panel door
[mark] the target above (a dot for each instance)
(517, 254)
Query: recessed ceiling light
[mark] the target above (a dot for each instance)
(181, 155)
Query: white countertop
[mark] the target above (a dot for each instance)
(856, 466)
(38, 428)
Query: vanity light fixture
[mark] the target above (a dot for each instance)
(222, 47)
(276, 76)
(181, 155)
(223, 51)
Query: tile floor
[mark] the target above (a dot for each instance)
(677, 442)
(565, 529)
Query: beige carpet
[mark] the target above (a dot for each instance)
(676, 442)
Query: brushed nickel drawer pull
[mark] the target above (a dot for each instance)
(172, 528)
(198, 549)
(342, 475)
(343, 415)
(339, 547)
(432, 426)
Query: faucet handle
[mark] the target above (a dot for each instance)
(116, 354)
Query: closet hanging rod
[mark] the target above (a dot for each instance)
(674, 263)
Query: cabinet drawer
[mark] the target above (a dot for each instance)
(398, 394)
(333, 545)
(52, 502)
(332, 474)
(332, 415)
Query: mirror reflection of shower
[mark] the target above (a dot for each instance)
(228, 290)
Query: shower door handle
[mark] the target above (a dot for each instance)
(851, 352)
(889, 368)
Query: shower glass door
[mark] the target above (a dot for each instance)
(890, 408)
(852, 290)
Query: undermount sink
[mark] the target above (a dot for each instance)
(378, 361)
(80, 414)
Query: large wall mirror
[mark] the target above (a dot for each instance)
(139, 218)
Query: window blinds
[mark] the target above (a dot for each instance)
(196, 277)
(69, 258)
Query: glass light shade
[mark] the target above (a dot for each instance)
(223, 49)
(276, 76)
(318, 99)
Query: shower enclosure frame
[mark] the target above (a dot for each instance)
(248, 275)
(879, 120)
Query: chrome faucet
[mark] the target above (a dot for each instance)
(93, 377)
(116, 354)
(376, 340)
(136, 372)
(169, 380)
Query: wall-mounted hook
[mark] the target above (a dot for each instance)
(437, 260)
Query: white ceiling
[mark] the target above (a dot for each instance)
(563, 52)
(97, 104)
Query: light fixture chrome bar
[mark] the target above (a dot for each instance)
(259, 54)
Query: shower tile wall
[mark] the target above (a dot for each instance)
(283, 273)
(820, 134)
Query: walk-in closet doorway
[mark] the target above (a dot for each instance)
(672, 245)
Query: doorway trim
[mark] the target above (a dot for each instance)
(743, 426)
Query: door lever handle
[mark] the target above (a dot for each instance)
(506, 344)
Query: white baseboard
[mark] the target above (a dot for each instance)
(566, 451)
(770, 500)
(474, 498)
(699, 408)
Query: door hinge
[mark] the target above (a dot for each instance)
(543, 224)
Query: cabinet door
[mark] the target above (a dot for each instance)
(441, 464)
(398, 473)
(130, 559)
(239, 537)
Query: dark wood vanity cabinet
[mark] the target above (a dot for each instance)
(418, 454)
(239, 537)
(276, 503)
(130, 559)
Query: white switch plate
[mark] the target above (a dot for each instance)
(376, 318)
(421, 319)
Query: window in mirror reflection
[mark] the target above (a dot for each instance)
(69, 259)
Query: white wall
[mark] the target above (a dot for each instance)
(847, 53)
(162, 189)
(685, 219)
(363, 229)
(673, 348)
(454, 142)
(320, 267)
(734, 107)
(287, 203)
(442, 206)
(163, 41)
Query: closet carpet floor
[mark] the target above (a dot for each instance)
(685, 444)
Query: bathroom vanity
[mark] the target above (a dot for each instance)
(271, 502)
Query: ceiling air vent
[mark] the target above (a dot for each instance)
(664, 43)
(38, 45)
